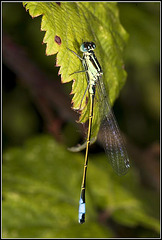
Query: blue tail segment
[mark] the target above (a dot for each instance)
(81, 211)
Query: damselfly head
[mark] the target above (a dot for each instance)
(87, 46)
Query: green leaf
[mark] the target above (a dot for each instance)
(41, 188)
(67, 25)
(128, 202)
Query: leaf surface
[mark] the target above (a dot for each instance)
(67, 25)
(41, 187)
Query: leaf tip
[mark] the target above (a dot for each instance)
(71, 93)
(59, 72)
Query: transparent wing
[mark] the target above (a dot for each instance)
(110, 135)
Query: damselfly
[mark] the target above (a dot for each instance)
(113, 142)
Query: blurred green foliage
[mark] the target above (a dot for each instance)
(142, 59)
(41, 180)
(40, 192)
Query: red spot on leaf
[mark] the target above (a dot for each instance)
(58, 40)
(87, 99)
